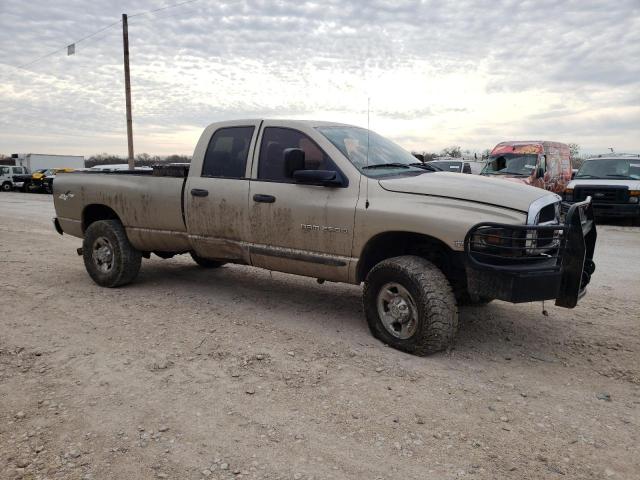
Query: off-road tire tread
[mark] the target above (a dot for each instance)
(434, 298)
(128, 259)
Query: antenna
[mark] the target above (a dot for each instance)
(366, 203)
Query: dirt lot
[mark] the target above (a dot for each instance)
(241, 373)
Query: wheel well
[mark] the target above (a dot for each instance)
(393, 244)
(95, 212)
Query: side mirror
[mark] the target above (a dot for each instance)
(326, 178)
(539, 172)
(293, 161)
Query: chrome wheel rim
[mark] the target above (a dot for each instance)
(103, 254)
(397, 310)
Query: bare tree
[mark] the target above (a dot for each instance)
(454, 151)
(574, 150)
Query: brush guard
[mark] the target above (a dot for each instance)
(526, 263)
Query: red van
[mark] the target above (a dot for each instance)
(538, 163)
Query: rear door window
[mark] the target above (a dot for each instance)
(226, 155)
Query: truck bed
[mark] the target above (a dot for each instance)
(145, 201)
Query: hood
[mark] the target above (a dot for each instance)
(520, 180)
(473, 188)
(604, 182)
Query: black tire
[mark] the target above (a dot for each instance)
(119, 267)
(6, 187)
(435, 319)
(205, 262)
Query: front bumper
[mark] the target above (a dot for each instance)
(617, 210)
(533, 262)
(18, 184)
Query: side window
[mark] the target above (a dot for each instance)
(275, 141)
(4, 170)
(17, 169)
(543, 163)
(227, 153)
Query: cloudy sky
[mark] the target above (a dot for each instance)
(438, 73)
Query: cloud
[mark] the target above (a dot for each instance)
(437, 73)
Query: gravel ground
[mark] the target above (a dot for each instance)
(242, 373)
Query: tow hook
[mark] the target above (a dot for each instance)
(79, 251)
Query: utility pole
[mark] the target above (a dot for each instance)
(127, 88)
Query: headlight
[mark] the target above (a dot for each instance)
(491, 237)
(634, 195)
(568, 194)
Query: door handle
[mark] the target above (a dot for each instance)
(258, 197)
(198, 192)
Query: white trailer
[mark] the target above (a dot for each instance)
(37, 161)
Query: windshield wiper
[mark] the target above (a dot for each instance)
(585, 175)
(619, 176)
(387, 165)
(425, 166)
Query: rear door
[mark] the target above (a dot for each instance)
(216, 194)
(297, 228)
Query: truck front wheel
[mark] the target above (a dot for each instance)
(409, 305)
(6, 187)
(109, 258)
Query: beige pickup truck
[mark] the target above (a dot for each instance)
(342, 204)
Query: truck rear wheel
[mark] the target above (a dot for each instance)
(109, 258)
(205, 262)
(409, 305)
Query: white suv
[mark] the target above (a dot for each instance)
(7, 172)
(612, 181)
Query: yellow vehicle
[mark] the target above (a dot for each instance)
(42, 180)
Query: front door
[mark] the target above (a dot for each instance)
(216, 199)
(297, 228)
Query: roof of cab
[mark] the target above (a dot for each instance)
(306, 123)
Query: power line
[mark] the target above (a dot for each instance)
(162, 8)
(53, 52)
(25, 65)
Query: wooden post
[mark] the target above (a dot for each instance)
(127, 88)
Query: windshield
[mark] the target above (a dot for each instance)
(620, 168)
(511, 164)
(385, 157)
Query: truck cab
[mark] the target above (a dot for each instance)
(540, 164)
(12, 177)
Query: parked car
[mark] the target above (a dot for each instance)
(12, 177)
(337, 203)
(451, 165)
(613, 182)
(537, 163)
